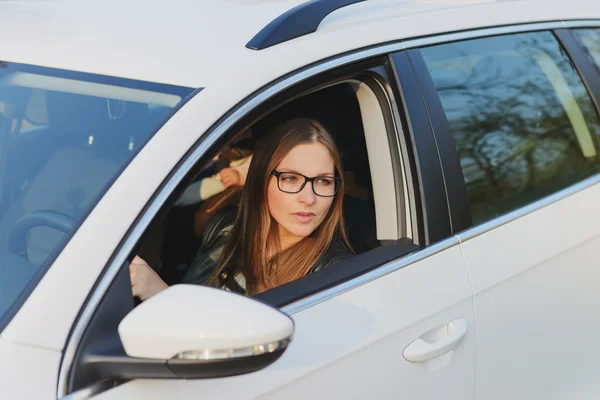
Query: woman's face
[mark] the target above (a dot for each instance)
(299, 214)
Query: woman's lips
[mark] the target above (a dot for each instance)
(304, 217)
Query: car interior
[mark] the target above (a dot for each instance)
(45, 133)
(64, 138)
(174, 237)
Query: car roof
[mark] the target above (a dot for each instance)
(203, 43)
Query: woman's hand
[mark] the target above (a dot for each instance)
(230, 177)
(145, 283)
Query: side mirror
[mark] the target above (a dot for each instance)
(200, 332)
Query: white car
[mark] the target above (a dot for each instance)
(471, 139)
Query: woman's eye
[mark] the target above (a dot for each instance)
(289, 178)
(324, 181)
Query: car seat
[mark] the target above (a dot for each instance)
(86, 148)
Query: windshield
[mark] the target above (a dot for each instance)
(64, 137)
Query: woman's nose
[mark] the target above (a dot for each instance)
(307, 195)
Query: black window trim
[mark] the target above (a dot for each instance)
(589, 72)
(425, 160)
(454, 183)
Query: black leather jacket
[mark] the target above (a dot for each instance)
(214, 239)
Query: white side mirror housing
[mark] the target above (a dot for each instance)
(190, 323)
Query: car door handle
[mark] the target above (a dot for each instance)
(420, 350)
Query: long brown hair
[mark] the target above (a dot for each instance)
(255, 232)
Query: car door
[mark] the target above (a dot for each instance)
(404, 328)
(520, 109)
(349, 342)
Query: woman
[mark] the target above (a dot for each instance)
(289, 223)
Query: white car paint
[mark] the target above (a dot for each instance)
(194, 44)
(350, 346)
(388, 313)
(537, 301)
(28, 372)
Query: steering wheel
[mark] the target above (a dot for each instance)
(52, 219)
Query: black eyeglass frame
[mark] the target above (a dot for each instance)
(336, 179)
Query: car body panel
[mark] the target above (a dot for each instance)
(196, 45)
(346, 346)
(28, 372)
(536, 300)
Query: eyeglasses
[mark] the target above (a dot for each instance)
(291, 182)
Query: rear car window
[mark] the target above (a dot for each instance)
(523, 122)
(64, 138)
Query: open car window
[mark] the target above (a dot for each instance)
(377, 214)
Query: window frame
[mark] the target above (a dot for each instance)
(304, 292)
(432, 197)
(589, 72)
(429, 224)
(460, 210)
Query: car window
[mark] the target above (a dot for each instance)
(523, 122)
(64, 137)
(590, 39)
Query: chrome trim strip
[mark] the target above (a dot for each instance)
(377, 273)
(521, 212)
(212, 136)
(455, 37)
(582, 24)
(228, 354)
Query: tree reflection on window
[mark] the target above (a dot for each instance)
(522, 120)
